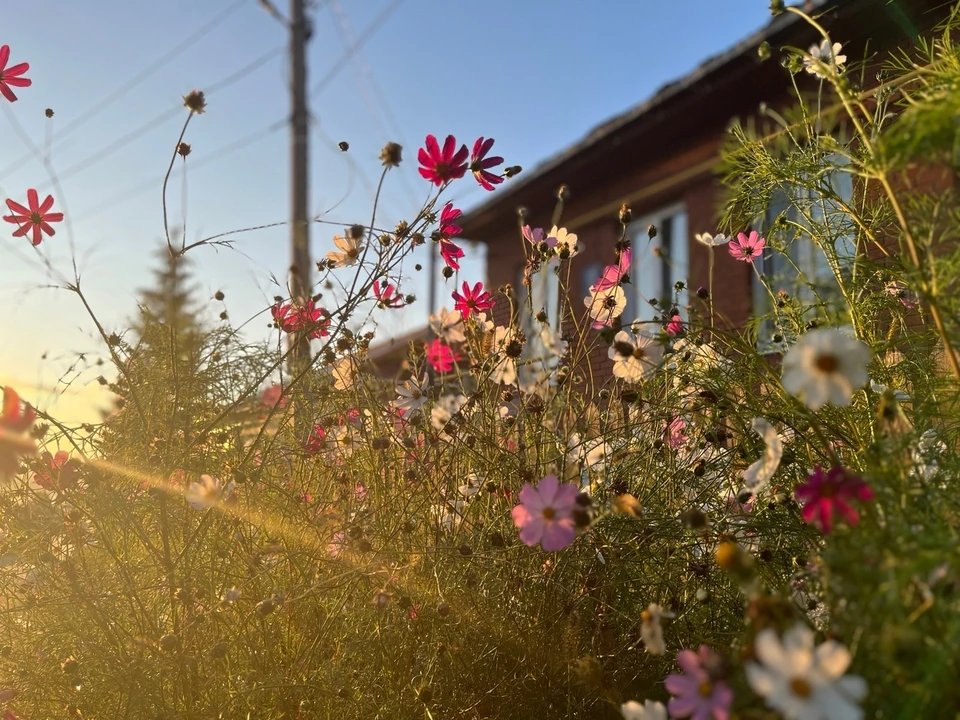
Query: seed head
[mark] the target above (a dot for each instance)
(391, 155)
(195, 102)
(183, 149)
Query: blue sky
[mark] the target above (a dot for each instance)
(536, 75)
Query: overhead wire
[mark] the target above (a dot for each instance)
(133, 82)
(368, 83)
(356, 46)
(158, 120)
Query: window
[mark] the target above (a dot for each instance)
(544, 293)
(802, 269)
(658, 263)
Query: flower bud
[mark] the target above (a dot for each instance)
(626, 215)
(343, 145)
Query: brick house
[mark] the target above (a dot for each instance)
(660, 158)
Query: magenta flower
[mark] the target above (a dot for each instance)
(674, 327)
(696, 694)
(451, 253)
(747, 248)
(441, 166)
(545, 514)
(448, 221)
(475, 300)
(317, 441)
(387, 295)
(614, 274)
(296, 317)
(441, 356)
(480, 164)
(825, 493)
(10, 77)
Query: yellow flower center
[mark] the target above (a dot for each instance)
(35, 218)
(549, 513)
(827, 363)
(800, 687)
(705, 688)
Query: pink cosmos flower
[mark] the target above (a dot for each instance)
(534, 236)
(11, 76)
(673, 433)
(747, 248)
(475, 300)
(60, 472)
(387, 295)
(480, 164)
(15, 421)
(614, 274)
(272, 397)
(296, 317)
(317, 442)
(441, 166)
(545, 514)
(448, 221)
(825, 493)
(674, 327)
(451, 254)
(696, 694)
(441, 356)
(36, 217)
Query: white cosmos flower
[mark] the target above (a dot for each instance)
(650, 710)
(825, 59)
(505, 370)
(350, 249)
(412, 394)
(553, 342)
(343, 372)
(757, 476)
(444, 409)
(712, 240)
(208, 492)
(651, 630)
(804, 682)
(448, 326)
(825, 366)
(564, 241)
(634, 356)
(472, 485)
(605, 305)
(899, 395)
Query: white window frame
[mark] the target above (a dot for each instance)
(652, 276)
(807, 256)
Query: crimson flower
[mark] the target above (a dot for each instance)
(60, 472)
(387, 295)
(317, 440)
(825, 493)
(441, 356)
(36, 217)
(480, 164)
(10, 76)
(746, 248)
(472, 300)
(296, 317)
(614, 274)
(451, 253)
(448, 220)
(441, 166)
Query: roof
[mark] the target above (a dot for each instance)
(667, 92)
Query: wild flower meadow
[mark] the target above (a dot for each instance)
(743, 522)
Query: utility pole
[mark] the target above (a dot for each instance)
(300, 263)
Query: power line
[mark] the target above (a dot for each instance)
(348, 54)
(215, 156)
(368, 82)
(159, 63)
(158, 120)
